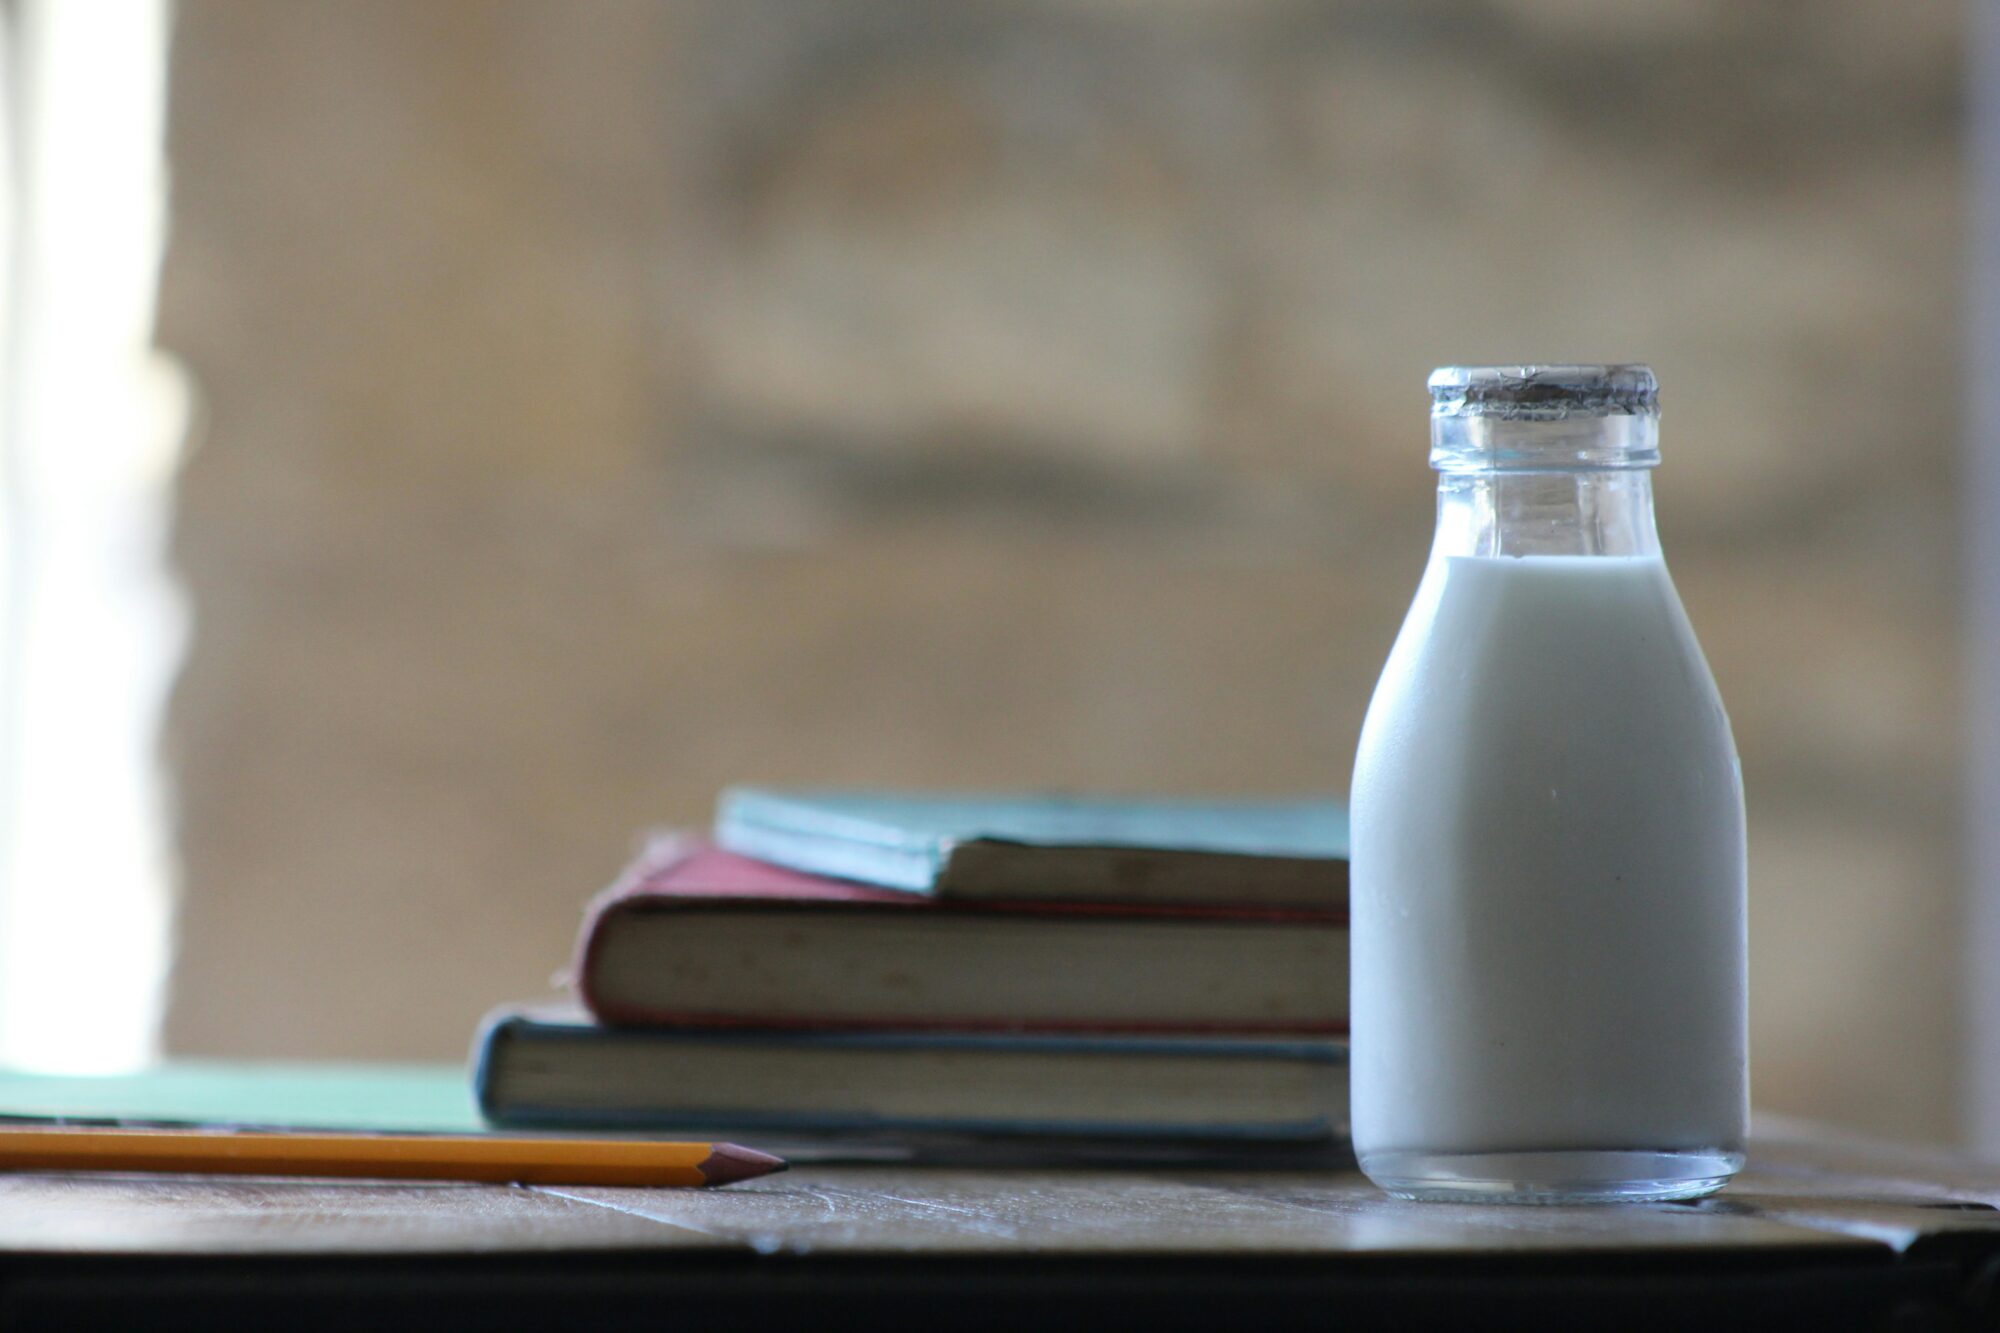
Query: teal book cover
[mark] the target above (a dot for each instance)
(1165, 850)
(278, 1095)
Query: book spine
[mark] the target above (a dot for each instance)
(496, 1030)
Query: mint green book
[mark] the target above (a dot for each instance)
(384, 1098)
(1288, 854)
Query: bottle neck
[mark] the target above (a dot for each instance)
(1606, 511)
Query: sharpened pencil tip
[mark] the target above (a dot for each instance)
(731, 1162)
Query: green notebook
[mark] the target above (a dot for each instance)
(383, 1097)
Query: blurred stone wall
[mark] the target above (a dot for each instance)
(605, 401)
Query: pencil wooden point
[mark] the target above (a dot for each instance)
(731, 1162)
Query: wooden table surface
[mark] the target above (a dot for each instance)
(1822, 1231)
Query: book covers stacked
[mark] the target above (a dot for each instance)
(894, 970)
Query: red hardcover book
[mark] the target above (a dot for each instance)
(695, 936)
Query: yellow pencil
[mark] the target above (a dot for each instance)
(528, 1161)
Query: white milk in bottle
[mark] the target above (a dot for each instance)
(1548, 857)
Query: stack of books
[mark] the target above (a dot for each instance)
(894, 969)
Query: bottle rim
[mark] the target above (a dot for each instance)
(1545, 392)
(1544, 418)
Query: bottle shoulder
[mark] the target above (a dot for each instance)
(1547, 663)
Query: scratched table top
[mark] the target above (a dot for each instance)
(1856, 1231)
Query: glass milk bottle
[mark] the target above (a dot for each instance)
(1548, 857)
